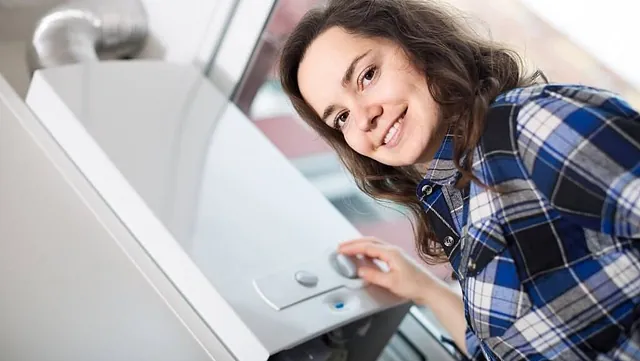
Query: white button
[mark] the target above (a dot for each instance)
(471, 265)
(306, 279)
(448, 241)
(427, 190)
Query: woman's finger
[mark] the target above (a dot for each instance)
(372, 250)
(375, 276)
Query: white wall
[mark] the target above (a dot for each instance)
(13, 66)
(608, 30)
(184, 31)
(16, 22)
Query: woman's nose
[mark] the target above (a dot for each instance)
(367, 117)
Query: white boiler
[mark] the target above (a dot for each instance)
(144, 217)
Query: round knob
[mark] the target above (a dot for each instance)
(345, 265)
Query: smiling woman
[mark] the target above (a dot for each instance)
(562, 232)
(521, 186)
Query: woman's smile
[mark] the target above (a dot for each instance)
(392, 138)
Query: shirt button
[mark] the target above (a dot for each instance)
(427, 190)
(448, 241)
(471, 265)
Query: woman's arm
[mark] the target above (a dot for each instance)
(408, 279)
(581, 148)
(448, 308)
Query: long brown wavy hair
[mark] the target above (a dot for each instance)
(465, 73)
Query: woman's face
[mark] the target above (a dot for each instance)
(369, 90)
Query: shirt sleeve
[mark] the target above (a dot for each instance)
(581, 147)
(472, 344)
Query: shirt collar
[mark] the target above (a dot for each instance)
(441, 169)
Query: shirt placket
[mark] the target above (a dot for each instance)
(438, 211)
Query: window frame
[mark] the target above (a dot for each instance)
(232, 55)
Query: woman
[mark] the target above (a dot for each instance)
(531, 191)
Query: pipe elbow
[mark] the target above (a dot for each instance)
(84, 31)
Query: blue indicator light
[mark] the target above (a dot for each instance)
(339, 306)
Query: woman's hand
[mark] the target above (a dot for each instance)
(405, 277)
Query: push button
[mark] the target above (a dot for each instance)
(306, 279)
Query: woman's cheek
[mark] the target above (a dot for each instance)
(359, 144)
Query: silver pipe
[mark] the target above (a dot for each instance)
(84, 31)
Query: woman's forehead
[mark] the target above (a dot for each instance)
(323, 68)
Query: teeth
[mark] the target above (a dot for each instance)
(391, 132)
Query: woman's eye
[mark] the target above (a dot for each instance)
(368, 76)
(338, 123)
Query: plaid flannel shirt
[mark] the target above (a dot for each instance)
(549, 265)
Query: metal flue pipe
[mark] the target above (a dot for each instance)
(81, 31)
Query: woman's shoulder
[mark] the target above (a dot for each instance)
(550, 105)
(552, 95)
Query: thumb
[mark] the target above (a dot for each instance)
(375, 276)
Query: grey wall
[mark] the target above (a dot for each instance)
(17, 19)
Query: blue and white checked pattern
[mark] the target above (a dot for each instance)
(550, 264)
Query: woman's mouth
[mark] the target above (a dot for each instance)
(392, 136)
